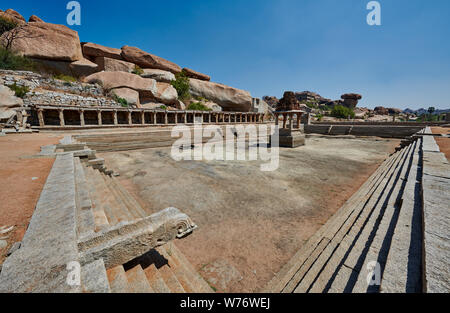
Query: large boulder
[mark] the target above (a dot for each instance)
(16, 14)
(113, 65)
(166, 94)
(8, 101)
(47, 41)
(381, 111)
(34, 19)
(93, 50)
(194, 74)
(229, 98)
(351, 99)
(132, 96)
(158, 75)
(147, 60)
(12, 18)
(83, 68)
(114, 80)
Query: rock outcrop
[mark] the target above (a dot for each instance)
(147, 60)
(229, 98)
(289, 102)
(47, 41)
(351, 99)
(34, 18)
(15, 14)
(132, 96)
(8, 101)
(83, 68)
(381, 111)
(166, 93)
(158, 75)
(113, 80)
(93, 51)
(197, 75)
(113, 65)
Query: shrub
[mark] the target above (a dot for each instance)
(163, 107)
(198, 106)
(340, 111)
(6, 25)
(20, 91)
(11, 61)
(66, 78)
(137, 70)
(319, 117)
(123, 102)
(181, 84)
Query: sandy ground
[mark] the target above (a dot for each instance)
(444, 143)
(251, 222)
(22, 178)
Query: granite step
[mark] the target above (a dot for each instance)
(132, 205)
(123, 212)
(137, 281)
(85, 215)
(94, 278)
(292, 272)
(101, 221)
(324, 268)
(118, 280)
(155, 280)
(345, 225)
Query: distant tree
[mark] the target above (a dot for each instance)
(431, 110)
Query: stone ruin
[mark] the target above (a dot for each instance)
(351, 99)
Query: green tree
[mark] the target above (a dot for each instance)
(181, 84)
(340, 111)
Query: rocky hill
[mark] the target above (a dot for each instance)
(136, 77)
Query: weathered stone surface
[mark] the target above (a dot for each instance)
(94, 278)
(197, 75)
(34, 18)
(8, 101)
(381, 111)
(50, 243)
(158, 75)
(351, 99)
(83, 68)
(289, 102)
(132, 96)
(229, 98)
(15, 14)
(113, 65)
(47, 41)
(147, 60)
(11, 18)
(113, 80)
(126, 241)
(94, 50)
(166, 93)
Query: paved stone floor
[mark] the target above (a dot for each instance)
(251, 222)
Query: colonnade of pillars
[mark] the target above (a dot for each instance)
(289, 117)
(178, 117)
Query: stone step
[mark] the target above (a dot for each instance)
(356, 218)
(198, 283)
(96, 162)
(85, 219)
(155, 280)
(308, 254)
(171, 280)
(133, 206)
(94, 278)
(100, 218)
(402, 272)
(381, 243)
(118, 280)
(124, 212)
(317, 242)
(137, 281)
(357, 245)
(177, 269)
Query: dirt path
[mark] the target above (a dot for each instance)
(21, 181)
(444, 143)
(251, 222)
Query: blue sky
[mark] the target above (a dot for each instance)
(270, 46)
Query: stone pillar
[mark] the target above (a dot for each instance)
(99, 118)
(308, 118)
(142, 117)
(291, 121)
(82, 121)
(61, 118)
(277, 119)
(130, 119)
(299, 117)
(155, 118)
(284, 120)
(166, 118)
(116, 122)
(176, 118)
(185, 117)
(41, 117)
